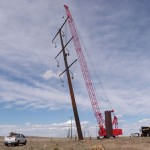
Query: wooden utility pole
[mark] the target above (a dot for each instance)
(79, 131)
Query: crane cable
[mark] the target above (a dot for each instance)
(95, 73)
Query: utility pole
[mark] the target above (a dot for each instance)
(80, 136)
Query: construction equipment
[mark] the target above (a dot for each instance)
(135, 135)
(145, 131)
(104, 126)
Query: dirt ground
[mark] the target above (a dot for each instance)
(121, 143)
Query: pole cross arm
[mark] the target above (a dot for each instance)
(68, 68)
(64, 47)
(59, 30)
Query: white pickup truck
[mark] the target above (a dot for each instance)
(15, 139)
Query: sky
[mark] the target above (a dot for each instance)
(115, 39)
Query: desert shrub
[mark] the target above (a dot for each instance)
(31, 148)
(56, 148)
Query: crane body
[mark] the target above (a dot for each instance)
(88, 82)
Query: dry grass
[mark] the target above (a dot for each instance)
(123, 143)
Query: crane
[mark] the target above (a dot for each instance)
(88, 81)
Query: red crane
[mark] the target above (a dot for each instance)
(88, 81)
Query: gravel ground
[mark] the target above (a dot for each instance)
(122, 143)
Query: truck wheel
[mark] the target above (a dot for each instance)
(148, 134)
(6, 144)
(17, 143)
(25, 142)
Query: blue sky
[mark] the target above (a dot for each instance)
(116, 36)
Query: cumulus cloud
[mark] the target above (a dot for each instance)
(144, 121)
(50, 74)
(45, 130)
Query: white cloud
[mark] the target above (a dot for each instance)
(146, 121)
(50, 74)
(28, 123)
(32, 97)
(45, 130)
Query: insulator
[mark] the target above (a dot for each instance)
(67, 51)
(62, 82)
(55, 45)
(63, 34)
(58, 65)
(71, 75)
